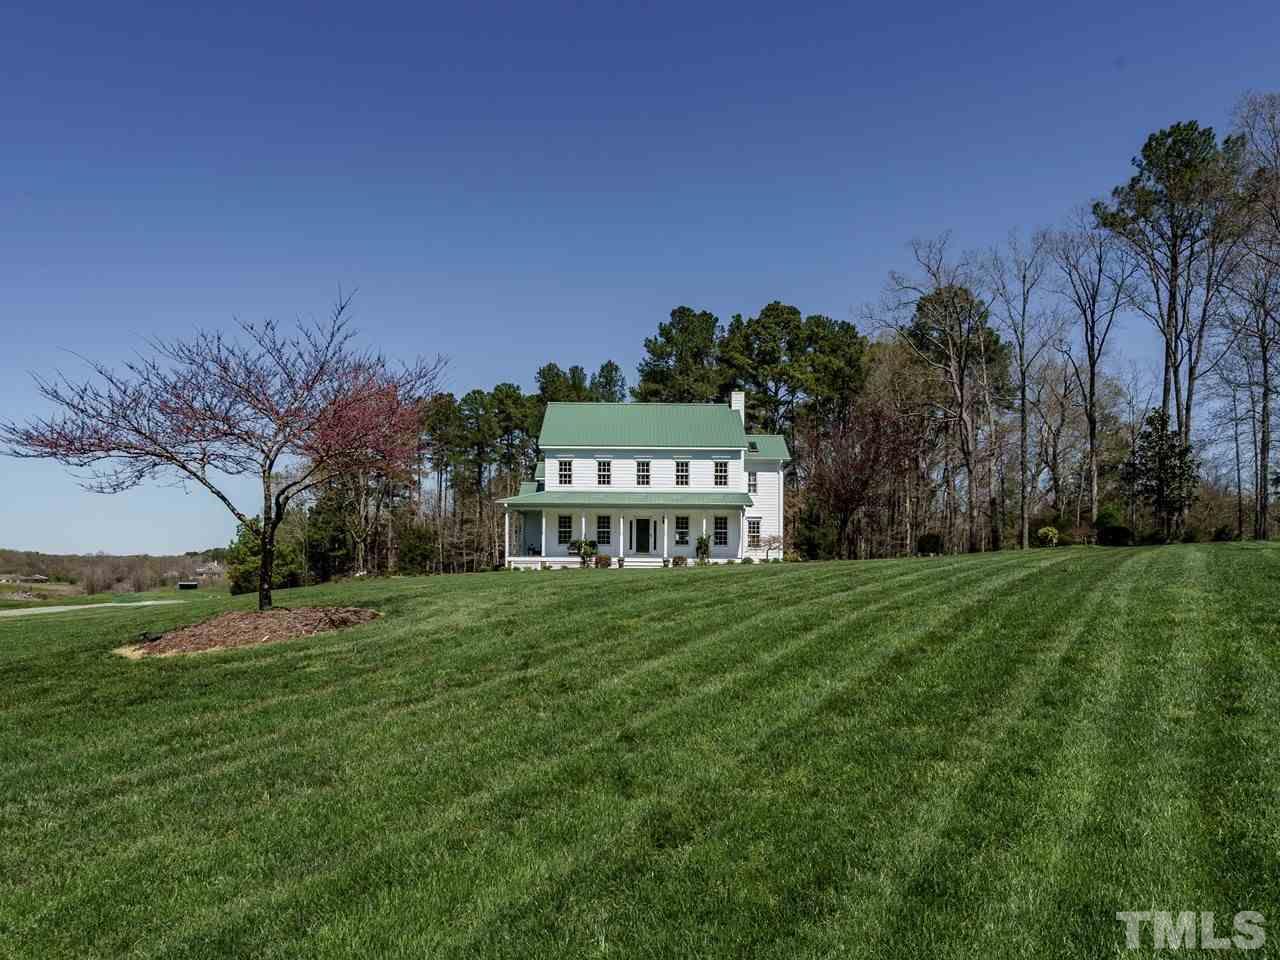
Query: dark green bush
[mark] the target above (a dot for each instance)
(1192, 535)
(1224, 533)
(929, 543)
(244, 558)
(1115, 535)
(679, 561)
(748, 560)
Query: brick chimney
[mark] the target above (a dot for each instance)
(738, 401)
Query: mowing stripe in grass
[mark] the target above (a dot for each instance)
(971, 846)
(676, 717)
(789, 702)
(161, 805)
(750, 771)
(950, 753)
(1135, 837)
(1238, 712)
(149, 738)
(511, 795)
(381, 707)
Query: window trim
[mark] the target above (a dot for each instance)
(753, 539)
(716, 531)
(753, 481)
(644, 478)
(564, 532)
(561, 471)
(679, 533)
(720, 473)
(604, 473)
(682, 482)
(604, 529)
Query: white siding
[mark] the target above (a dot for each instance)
(662, 469)
(766, 502)
(696, 518)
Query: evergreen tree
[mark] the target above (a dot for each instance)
(1163, 471)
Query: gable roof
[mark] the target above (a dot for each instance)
(767, 446)
(683, 425)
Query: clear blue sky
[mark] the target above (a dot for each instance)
(513, 184)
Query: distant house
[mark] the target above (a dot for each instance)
(645, 481)
(211, 569)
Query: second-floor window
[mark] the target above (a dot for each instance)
(682, 473)
(564, 530)
(722, 473)
(751, 482)
(682, 531)
(753, 531)
(604, 472)
(722, 532)
(566, 473)
(642, 473)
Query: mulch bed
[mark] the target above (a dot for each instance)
(249, 629)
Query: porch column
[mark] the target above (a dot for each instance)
(742, 532)
(584, 526)
(544, 534)
(622, 535)
(664, 536)
(506, 536)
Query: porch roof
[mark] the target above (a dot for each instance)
(619, 498)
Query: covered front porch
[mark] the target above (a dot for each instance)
(639, 534)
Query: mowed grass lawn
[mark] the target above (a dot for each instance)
(959, 757)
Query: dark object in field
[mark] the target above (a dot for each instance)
(188, 584)
(1115, 535)
(250, 628)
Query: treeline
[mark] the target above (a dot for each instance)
(980, 399)
(103, 573)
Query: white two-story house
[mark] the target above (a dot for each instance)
(645, 481)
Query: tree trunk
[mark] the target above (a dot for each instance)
(1170, 324)
(1024, 467)
(268, 556)
(1235, 431)
(1093, 444)
(971, 505)
(1264, 448)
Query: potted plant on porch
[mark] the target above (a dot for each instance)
(585, 549)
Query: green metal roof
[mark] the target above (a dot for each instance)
(540, 470)
(568, 498)
(683, 425)
(528, 486)
(767, 446)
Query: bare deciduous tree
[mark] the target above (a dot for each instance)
(1017, 275)
(1095, 277)
(292, 411)
(944, 322)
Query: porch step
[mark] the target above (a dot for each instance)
(642, 562)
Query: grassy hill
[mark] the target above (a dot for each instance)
(960, 757)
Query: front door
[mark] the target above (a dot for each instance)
(642, 536)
